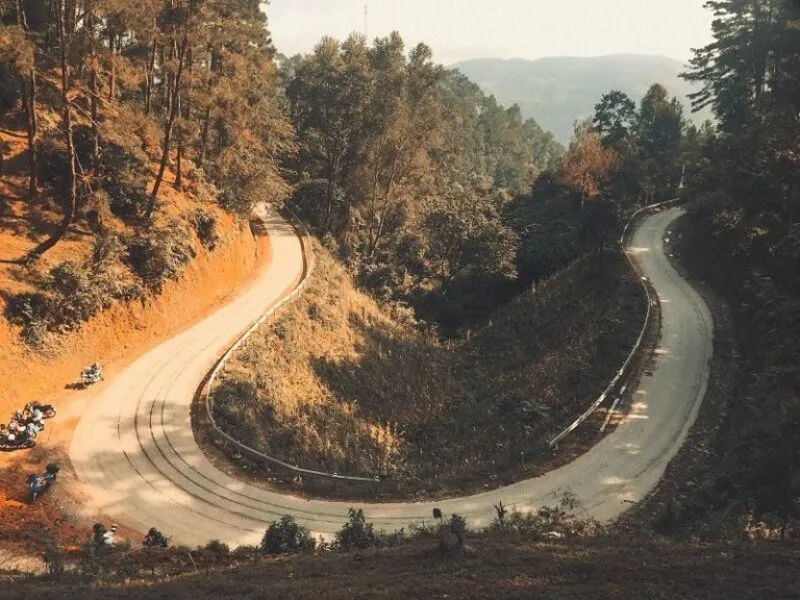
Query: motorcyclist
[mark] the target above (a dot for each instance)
(155, 539)
(108, 536)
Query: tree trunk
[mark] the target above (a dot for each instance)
(204, 137)
(71, 201)
(112, 79)
(29, 101)
(149, 75)
(178, 169)
(90, 20)
(179, 159)
(168, 125)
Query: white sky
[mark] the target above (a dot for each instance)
(462, 29)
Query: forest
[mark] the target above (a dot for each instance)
(433, 194)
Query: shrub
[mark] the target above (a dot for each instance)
(124, 177)
(205, 225)
(356, 533)
(287, 537)
(30, 311)
(73, 293)
(244, 553)
(218, 548)
(160, 254)
(53, 559)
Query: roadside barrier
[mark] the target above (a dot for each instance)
(308, 266)
(623, 371)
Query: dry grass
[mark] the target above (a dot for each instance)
(340, 384)
(493, 567)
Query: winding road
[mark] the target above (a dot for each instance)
(135, 451)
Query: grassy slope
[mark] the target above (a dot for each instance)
(495, 568)
(337, 383)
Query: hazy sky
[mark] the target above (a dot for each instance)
(461, 29)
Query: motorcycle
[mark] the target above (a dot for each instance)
(13, 438)
(38, 484)
(91, 375)
(48, 410)
(155, 539)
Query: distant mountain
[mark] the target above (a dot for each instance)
(556, 91)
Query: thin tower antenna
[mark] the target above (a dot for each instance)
(366, 21)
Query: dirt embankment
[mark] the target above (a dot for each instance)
(127, 329)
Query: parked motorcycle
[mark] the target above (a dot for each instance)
(13, 437)
(38, 484)
(155, 539)
(91, 375)
(48, 410)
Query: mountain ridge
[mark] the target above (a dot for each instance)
(557, 90)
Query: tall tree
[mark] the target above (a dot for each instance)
(614, 119)
(65, 11)
(588, 165)
(24, 52)
(659, 127)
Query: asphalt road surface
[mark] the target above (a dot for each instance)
(135, 451)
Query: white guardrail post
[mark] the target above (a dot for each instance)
(308, 264)
(636, 347)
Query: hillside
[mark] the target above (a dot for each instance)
(556, 91)
(341, 384)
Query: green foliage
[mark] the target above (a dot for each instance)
(404, 167)
(287, 537)
(125, 179)
(356, 533)
(72, 295)
(548, 522)
(158, 255)
(217, 548)
(205, 225)
(743, 184)
(614, 118)
(53, 558)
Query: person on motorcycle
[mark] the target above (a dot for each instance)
(155, 539)
(108, 536)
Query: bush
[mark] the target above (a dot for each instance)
(124, 177)
(356, 533)
(245, 553)
(218, 548)
(73, 293)
(287, 537)
(205, 225)
(160, 254)
(53, 559)
(30, 311)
